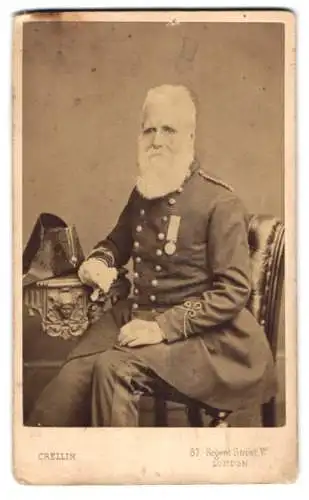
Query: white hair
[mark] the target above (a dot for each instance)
(176, 96)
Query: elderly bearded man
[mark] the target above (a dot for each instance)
(187, 327)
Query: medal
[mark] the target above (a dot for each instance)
(172, 234)
(170, 248)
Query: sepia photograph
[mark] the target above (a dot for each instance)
(154, 240)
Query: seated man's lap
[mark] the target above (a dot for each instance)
(118, 361)
(102, 335)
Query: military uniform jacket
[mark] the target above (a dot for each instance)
(192, 275)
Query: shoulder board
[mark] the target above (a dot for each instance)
(215, 180)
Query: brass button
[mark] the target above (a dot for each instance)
(154, 282)
(188, 304)
(138, 259)
(158, 268)
(142, 211)
(139, 229)
(134, 305)
(136, 291)
(161, 236)
(136, 275)
(165, 218)
(171, 201)
(179, 190)
(159, 252)
(152, 298)
(136, 244)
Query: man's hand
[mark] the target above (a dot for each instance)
(139, 332)
(96, 273)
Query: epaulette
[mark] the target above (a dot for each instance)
(215, 180)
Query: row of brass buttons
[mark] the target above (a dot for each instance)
(139, 229)
(159, 252)
(135, 306)
(158, 268)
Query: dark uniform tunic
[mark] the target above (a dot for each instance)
(192, 276)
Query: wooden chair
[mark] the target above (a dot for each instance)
(266, 241)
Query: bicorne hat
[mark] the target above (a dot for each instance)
(53, 249)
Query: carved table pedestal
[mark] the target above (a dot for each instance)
(56, 313)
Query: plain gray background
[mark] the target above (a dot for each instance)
(84, 85)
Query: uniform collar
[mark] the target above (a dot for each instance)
(194, 167)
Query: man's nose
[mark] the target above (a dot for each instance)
(157, 140)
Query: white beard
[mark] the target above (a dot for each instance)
(163, 173)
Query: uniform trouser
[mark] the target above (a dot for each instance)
(66, 399)
(119, 380)
(102, 388)
(109, 385)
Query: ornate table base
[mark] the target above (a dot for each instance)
(64, 306)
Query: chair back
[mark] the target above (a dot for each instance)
(266, 242)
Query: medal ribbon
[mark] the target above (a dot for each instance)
(173, 228)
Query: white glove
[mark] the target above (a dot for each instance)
(96, 273)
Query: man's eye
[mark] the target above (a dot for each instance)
(149, 130)
(169, 130)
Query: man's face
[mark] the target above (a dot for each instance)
(165, 149)
(164, 134)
